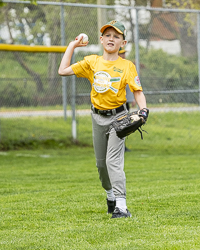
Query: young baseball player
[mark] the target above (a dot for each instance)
(108, 74)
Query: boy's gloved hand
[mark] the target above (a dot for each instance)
(144, 113)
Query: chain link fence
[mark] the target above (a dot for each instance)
(163, 43)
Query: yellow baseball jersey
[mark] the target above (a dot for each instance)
(108, 80)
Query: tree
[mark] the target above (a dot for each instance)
(16, 18)
(187, 25)
(31, 23)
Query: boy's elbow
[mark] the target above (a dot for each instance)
(65, 71)
(60, 72)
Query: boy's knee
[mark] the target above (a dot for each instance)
(103, 174)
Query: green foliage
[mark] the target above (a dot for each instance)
(40, 20)
(141, 2)
(14, 95)
(1, 3)
(182, 4)
(170, 66)
(24, 93)
(18, 88)
(157, 63)
(161, 71)
(10, 68)
(8, 64)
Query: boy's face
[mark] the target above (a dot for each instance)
(112, 40)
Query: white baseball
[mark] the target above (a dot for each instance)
(85, 38)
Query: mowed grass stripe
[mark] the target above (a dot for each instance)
(58, 202)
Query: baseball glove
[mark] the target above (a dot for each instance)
(129, 123)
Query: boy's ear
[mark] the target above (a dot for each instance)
(101, 39)
(123, 43)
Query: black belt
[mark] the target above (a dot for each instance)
(108, 112)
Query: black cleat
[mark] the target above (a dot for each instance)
(120, 214)
(111, 206)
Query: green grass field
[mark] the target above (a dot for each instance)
(51, 198)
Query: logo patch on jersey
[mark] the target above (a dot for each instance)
(137, 81)
(118, 70)
(103, 82)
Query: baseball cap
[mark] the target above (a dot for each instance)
(122, 50)
(118, 26)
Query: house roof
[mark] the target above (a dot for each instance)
(164, 25)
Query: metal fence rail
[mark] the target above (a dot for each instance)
(163, 43)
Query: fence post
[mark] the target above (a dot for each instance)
(73, 103)
(64, 79)
(137, 56)
(198, 49)
(101, 20)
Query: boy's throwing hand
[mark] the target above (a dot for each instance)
(81, 40)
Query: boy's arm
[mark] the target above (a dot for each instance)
(140, 99)
(65, 68)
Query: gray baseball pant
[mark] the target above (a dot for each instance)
(109, 153)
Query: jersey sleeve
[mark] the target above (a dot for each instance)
(133, 78)
(83, 68)
(80, 68)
